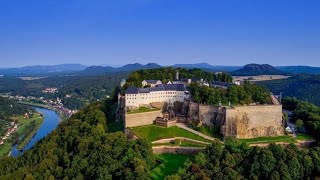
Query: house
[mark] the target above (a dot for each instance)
(218, 84)
(151, 83)
(134, 97)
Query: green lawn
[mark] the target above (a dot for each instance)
(170, 163)
(152, 133)
(288, 139)
(183, 143)
(209, 131)
(302, 137)
(142, 109)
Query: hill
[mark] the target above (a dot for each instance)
(125, 68)
(299, 69)
(207, 66)
(257, 69)
(37, 70)
(303, 87)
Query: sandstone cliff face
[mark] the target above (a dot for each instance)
(240, 122)
(254, 121)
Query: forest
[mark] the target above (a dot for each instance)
(235, 160)
(246, 94)
(9, 108)
(168, 74)
(83, 147)
(307, 113)
(81, 89)
(91, 145)
(303, 87)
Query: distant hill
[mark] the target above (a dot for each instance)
(32, 70)
(210, 67)
(257, 69)
(299, 69)
(303, 87)
(126, 68)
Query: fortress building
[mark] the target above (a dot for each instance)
(136, 97)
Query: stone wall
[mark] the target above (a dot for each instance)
(253, 121)
(141, 119)
(211, 115)
(241, 121)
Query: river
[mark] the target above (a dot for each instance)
(50, 123)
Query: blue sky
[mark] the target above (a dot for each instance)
(219, 32)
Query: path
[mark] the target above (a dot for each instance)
(183, 126)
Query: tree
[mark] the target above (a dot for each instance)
(299, 124)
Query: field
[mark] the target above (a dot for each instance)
(260, 78)
(287, 139)
(169, 164)
(152, 133)
(23, 125)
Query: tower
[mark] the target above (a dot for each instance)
(177, 75)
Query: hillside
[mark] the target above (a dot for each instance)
(299, 69)
(303, 87)
(37, 70)
(257, 69)
(125, 68)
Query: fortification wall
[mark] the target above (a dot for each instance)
(211, 115)
(253, 121)
(141, 119)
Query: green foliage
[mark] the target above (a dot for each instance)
(81, 88)
(9, 108)
(82, 148)
(308, 114)
(169, 164)
(236, 160)
(303, 87)
(246, 94)
(168, 74)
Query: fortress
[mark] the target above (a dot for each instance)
(247, 121)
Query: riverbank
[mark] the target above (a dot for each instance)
(62, 115)
(51, 120)
(24, 125)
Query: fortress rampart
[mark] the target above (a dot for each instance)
(240, 121)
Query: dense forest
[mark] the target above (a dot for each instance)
(83, 147)
(235, 160)
(246, 94)
(90, 145)
(81, 88)
(308, 114)
(303, 87)
(168, 74)
(9, 108)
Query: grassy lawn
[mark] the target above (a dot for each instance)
(170, 163)
(23, 123)
(142, 109)
(183, 143)
(302, 137)
(209, 131)
(152, 133)
(288, 139)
